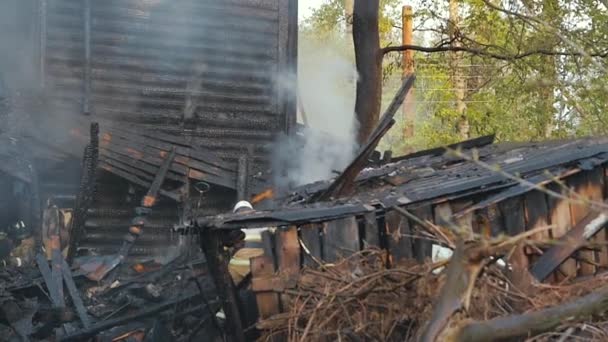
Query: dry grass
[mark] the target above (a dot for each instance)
(358, 299)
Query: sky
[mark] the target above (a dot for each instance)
(304, 7)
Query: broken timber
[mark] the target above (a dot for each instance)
(136, 156)
(568, 244)
(345, 182)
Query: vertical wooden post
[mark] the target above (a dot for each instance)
(217, 262)
(242, 185)
(409, 108)
(86, 105)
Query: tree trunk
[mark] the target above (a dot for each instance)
(548, 70)
(368, 58)
(458, 77)
(349, 7)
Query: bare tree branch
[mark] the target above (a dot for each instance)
(480, 52)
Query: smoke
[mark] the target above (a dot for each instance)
(326, 93)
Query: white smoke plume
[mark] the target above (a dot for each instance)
(326, 93)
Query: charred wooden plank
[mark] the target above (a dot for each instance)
(51, 285)
(371, 229)
(463, 145)
(536, 211)
(154, 147)
(340, 238)
(559, 211)
(289, 216)
(423, 247)
(217, 260)
(311, 238)
(519, 189)
(568, 244)
(262, 268)
(288, 255)
(73, 291)
(515, 223)
(86, 191)
(126, 152)
(137, 181)
(464, 221)
(399, 236)
(587, 187)
(343, 184)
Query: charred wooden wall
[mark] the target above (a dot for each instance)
(293, 247)
(211, 70)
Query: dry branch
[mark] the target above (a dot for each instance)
(534, 322)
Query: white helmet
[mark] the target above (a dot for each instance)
(242, 204)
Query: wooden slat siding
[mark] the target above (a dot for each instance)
(580, 184)
(513, 214)
(442, 214)
(496, 219)
(602, 235)
(423, 248)
(536, 214)
(340, 238)
(262, 267)
(311, 237)
(466, 221)
(372, 232)
(399, 237)
(288, 256)
(577, 212)
(559, 213)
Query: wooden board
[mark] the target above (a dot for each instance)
(311, 238)
(340, 238)
(423, 248)
(512, 210)
(560, 218)
(399, 239)
(371, 229)
(496, 220)
(442, 214)
(582, 185)
(465, 221)
(536, 215)
(262, 269)
(288, 256)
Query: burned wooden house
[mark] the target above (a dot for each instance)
(489, 189)
(208, 77)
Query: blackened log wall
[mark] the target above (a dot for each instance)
(212, 70)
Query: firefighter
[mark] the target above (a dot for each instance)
(245, 245)
(16, 241)
(249, 246)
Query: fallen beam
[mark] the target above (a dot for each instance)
(536, 322)
(151, 311)
(568, 244)
(75, 295)
(344, 184)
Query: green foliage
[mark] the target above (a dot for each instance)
(532, 98)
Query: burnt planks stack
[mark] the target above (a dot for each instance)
(137, 156)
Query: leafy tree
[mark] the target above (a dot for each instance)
(534, 69)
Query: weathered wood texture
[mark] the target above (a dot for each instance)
(288, 256)
(399, 237)
(560, 218)
(262, 271)
(588, 186)
(422, 246)
(372, 231)
(340, 238)
(536, 211)
(311, 238)
(514, 219)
